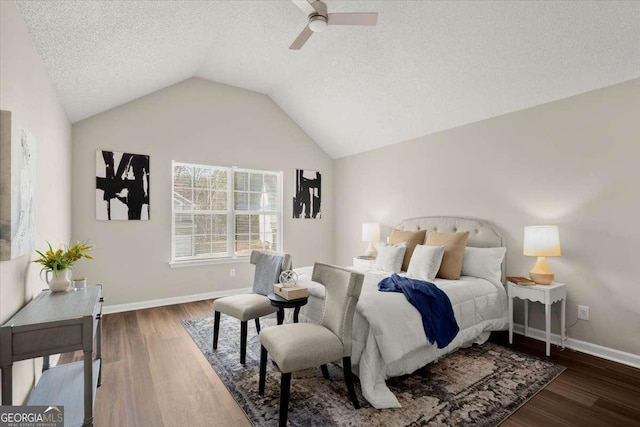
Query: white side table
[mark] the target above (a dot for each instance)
(359, 262)
(547, 295)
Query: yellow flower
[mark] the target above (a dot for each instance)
(63, 259)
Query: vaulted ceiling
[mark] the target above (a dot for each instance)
(426, 66)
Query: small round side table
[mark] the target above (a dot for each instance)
(281, 304)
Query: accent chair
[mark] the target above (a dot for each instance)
(256, 304)
(298, 346)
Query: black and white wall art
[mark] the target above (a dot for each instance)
(308, 194)
(18, 165)
(122, 186)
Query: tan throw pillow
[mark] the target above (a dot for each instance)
(411, 238)
(454, 244)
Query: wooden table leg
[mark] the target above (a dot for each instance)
(563, 320)
(99, 347)
(526, 318)
(88, 388)
(510, 320)
(7, 385)
(296, 311)
(547, 322)
(6, 362)
(87, 351)
(280, 316)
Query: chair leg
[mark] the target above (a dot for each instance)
(243, 342)
(263, 370)
(216, 328)
(325, 372)
(348, 378)
(285, 389)
(257, 324)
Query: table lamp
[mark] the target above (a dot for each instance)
(371, 234)
(541, 241)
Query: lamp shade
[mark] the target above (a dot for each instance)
(541, 240)
(370, 232)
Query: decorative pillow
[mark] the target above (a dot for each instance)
(390, 257)
(485, 263)
(454, 244)
(411, 239)
(425, 262)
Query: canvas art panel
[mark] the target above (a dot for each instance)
(18, 165)
(122, 186)
(308, 194)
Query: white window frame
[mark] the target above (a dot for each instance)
(231, 213)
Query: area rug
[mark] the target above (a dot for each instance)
(479, 386)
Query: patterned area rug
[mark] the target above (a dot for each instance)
(479, 386)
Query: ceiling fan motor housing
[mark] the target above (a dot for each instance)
(320, 7)
(318, 20)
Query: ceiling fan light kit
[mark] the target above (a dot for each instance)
(319, 19)
(318, 23)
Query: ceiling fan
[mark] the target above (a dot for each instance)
(319, 19)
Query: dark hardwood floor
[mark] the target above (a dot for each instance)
(155, 375)
(591, 392)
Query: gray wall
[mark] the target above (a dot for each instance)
(574, 163)
(27, 91)
(195, 121)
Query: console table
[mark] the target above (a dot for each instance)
(52, 323)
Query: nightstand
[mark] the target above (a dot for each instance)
(547, 295)
(359, 262)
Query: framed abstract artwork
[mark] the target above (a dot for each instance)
(122, 186)
(18, 166)
(308, 194)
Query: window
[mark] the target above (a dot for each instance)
(224, 213)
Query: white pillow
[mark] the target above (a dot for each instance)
(485, 263)
(425, 262)
(390, 257)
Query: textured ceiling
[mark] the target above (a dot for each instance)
(426, 67)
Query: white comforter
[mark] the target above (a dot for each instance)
(388, 337)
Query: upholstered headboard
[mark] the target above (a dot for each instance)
(482, 234)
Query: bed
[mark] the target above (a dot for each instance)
(387, 334)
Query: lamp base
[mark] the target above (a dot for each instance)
(371, 250)
(541, 279)
(541, 273)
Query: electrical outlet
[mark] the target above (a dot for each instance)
(232, 272)
(583, 312)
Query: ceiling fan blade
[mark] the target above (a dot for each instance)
(301, 39)
(353, 18)
(305, 6)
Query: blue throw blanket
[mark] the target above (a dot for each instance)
(433, 304)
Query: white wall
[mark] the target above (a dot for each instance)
(26, 91)
(195, 121)
(574, 163)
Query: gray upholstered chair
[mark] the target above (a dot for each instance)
(256, 304)
(298, 346)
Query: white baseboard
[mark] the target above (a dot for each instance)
(119, 308)
(607, 353)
